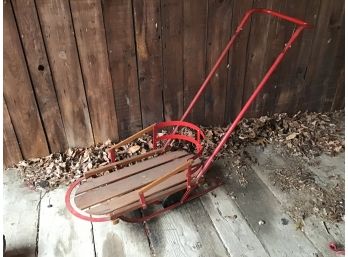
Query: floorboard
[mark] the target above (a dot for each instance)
(231, 226)
(61, 234)
(21, 208)
(314, 228)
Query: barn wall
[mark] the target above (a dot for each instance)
(80, 72)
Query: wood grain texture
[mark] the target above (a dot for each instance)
(147, 22)
(12, 152)
(172, 51)
(118, 21)
(58, 32)
(237, 62)
(325, 46)
(194, 51)
(219, 32)
(40, 73)
(91, 44)
(18, 92)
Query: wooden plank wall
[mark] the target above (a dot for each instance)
(79, 72)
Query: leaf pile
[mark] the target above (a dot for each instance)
(306, 134)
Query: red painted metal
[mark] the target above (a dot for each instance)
(336, 248)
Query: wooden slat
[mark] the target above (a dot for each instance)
(126, 185)
(128, 171)
(219, 31)
(148, 43)
(40, 73)
(12, 152)
(119, 29)
(18, 92)
(172, 50)
(237, 62)
(124, 200)
(90, 36)
(194, 51)
(122, 162)
(57, 28)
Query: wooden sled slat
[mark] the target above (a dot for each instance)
(128, 171)
(126, 185)
(124, 203)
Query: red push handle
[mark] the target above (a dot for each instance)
(275, 14)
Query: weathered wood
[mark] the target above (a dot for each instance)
(325, 46)
(185, 231)
(269, 160)
(122, 162)
(127, 184)
(21, 208)
(219, 31)
(147, 22)
(194, 55)
(172, 51)
(256, 202)
(231, 225)
(121, 240)
(128, 171)
(119, 28)
(57, 28)
(40, 73)
(91, 43)
(12, 152)
(61, 233)
(237, 62)
(18, 92)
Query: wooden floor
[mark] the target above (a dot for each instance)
(224, 222)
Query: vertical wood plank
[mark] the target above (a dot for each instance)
(324, 49)
(148, 25)
(237, 62)
(172, 51)
(265, 43)
(57, 28)
(91, 43)
(40, 73)
(194, 51)
(118, 20)
(12, 152)
(18, 92)
(219, 31)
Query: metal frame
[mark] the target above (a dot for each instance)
(192, 182)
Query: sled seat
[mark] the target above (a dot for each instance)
(119, 192)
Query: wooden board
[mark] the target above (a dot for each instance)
(91, 44)
(128, 171)
(147, 22)
(128, 184)
(231, 225)
(314, 228)
(119, 30)
(325, 45)
(219, 31)
(61, 234)
(21, 209)
(185, 231)
(12, 152)
(256, 202)
(172, 51)
(18, 93)
(121, 240)
(58, 32)
(40, 73)
(237, 62)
